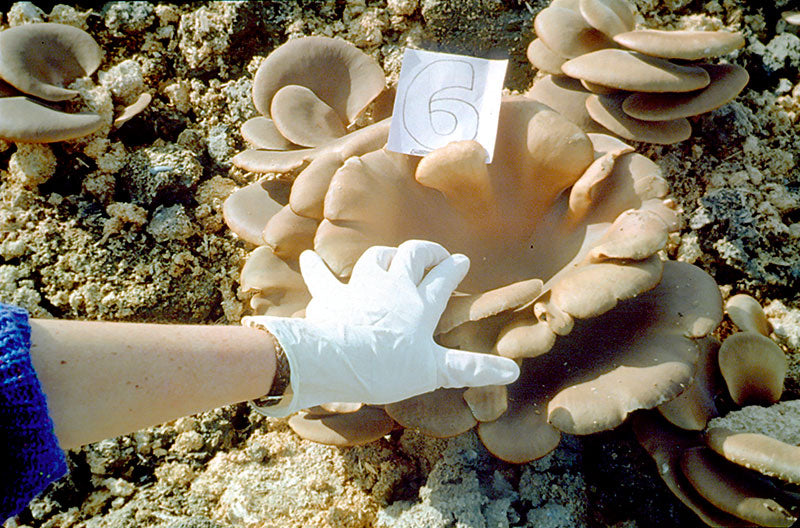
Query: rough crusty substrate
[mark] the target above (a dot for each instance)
(126, 225)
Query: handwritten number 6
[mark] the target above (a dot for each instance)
(451, 113)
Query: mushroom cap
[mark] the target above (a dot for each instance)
(757, 451)
(303, 118)
(358, 142)
(337, 72)
(26, 121)
(687, 45)
(543, 58)
(727, 80)
(260, 132)
(132, 110)
(791, 17)
(365, 425)
(41, 59)
(247, 210)
(695, 406)
(607, 110)
(646, 369)
(289, 234)
(441, 413)
(665, 444)
(733, 489)
(487, 403)
(521, 434)
(747, 314)
(463, 308)
(753, 367)
(277, 284)
(566, 96)
(567, 34)
(602, 371)
(628, 70)
(608, 16)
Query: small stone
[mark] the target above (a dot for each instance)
(24, 13)
(170, 223)
(32, 164)
(188, 442)
(128, 17)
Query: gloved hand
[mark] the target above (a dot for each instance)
(371, 340)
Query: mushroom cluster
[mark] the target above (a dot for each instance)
(640, 84)
(37, 64)
(563, 229)
(728, 477)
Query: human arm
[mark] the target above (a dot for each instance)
(103, 379)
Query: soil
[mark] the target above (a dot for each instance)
(126, 225)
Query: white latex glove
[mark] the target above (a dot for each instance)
(371, 340)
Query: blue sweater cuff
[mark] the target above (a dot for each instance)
(30, 456)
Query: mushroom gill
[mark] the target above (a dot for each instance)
(646, 82)
(730, 471)
(39, 61)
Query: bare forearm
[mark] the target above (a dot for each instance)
(104, 379)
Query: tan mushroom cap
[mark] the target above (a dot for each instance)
(132, 110)
(727, 80)
(260, 132)
(337, 72)
(747, 314)
(753, 367)
(463, 308)
(665, 444)
(603, 371)
(607, 110)
(26, 121)
(695, 406)
(543, 58)
(521, 434)
(608, 16)
(646, 370)
(343, 430)
(303, 118)
(599, 88)
(687, 45)
(247, 210)
(358, 142)
(757, 451)
(41, 59)
(567, 34)
(732, 489)
(289, 234)
(309, 188)
(441, 413)
(487, 403)
(566, 96)
(277, 285)
(791, 17)
(628, 70)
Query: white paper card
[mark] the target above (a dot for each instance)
(443, 97)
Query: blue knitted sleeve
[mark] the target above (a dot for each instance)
(30, 457)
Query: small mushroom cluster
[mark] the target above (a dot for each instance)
(563, 230)
(728, 477)
(309, 92)
(37, 63)
(640, 84)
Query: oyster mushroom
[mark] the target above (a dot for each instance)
(548, 182)
(309, 92)
(720, 474)
(40, 60)
(639, 61)
(754, 368)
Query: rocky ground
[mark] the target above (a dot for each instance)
(126, 225)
